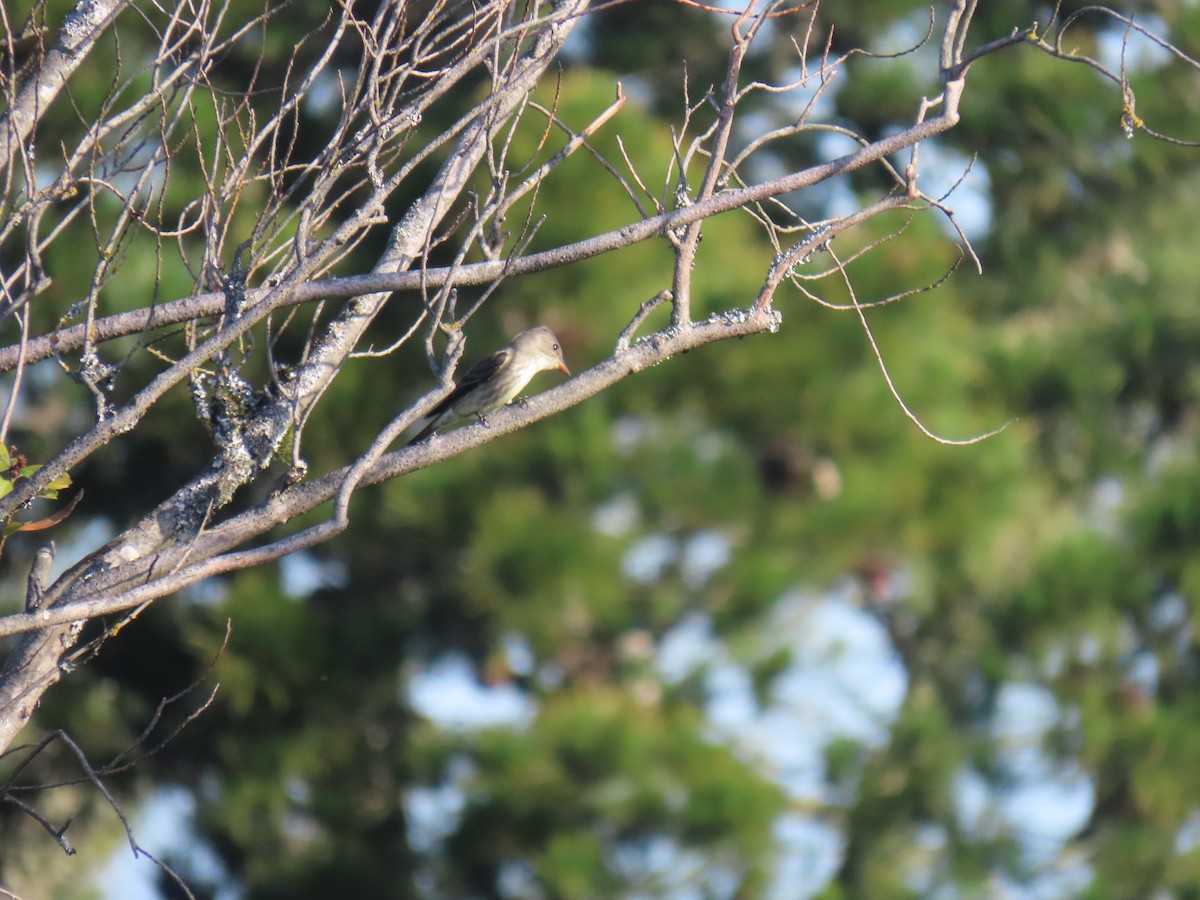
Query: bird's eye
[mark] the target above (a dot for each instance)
(556, 346)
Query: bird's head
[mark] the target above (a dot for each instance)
(541, 346)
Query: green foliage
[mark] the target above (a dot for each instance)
(596, 768)
(13, 467)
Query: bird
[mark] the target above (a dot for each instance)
(495, 380)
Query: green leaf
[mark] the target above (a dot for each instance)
(50, 491)
(59, 482)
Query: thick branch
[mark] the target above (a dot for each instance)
(78, 35)
(89, 598)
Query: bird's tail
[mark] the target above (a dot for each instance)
(424, 432)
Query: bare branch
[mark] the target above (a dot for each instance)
(79, 33)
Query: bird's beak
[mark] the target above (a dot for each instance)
(562, 367)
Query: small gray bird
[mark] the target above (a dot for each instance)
(495, 380)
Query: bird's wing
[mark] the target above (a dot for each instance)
(476, 375)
